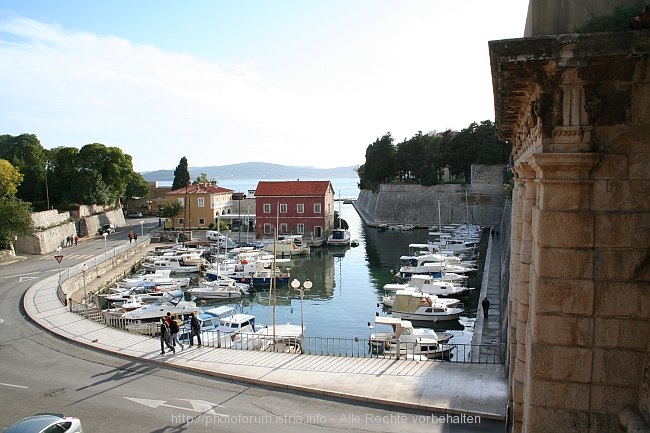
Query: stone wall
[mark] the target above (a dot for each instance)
(52, 228)
(576, 109)
(482, 201)
(49, 218)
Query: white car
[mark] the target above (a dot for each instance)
(46, 423)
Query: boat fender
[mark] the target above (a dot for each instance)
(243, 280)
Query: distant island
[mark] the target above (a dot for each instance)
(256, 170)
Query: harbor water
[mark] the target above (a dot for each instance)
(347, 283)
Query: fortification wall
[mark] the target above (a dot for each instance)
(482, 201)
(52, 228)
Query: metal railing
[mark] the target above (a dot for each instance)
(323, 346)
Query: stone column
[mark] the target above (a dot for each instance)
(558, 357)
(520, 289)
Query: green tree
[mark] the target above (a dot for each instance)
(62, 177)
(171, 210)
(10, 179)
(203, 179)
(137, 188)
(16, 221)
(380, 164)
(26, 154)
(181, 175)
(109, 168)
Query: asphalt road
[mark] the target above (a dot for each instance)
(42, 373)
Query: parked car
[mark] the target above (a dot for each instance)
(106, 228)
(46, 423)
(134, 215)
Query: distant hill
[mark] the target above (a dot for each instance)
(256, 170)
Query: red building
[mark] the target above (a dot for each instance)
(303, 207)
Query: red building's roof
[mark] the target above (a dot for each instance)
(201, 189)
(299, 188)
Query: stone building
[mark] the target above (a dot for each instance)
(577, 111)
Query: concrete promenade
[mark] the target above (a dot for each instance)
(432, 386)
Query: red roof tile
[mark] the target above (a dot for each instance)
(201, 189)
(293, 188)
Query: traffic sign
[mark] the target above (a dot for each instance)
(58, 258)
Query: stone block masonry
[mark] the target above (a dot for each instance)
(482, 201)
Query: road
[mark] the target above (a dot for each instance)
(42, 373)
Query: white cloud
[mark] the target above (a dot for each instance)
(324, 109)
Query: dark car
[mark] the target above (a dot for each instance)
(46, 423)
(106, 228)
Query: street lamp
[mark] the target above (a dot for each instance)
(142, 228)
(295, 284)
(58, 258)
(84, 268)
(105, 235)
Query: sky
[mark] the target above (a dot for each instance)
(304, 83)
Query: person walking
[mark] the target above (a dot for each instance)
(195, 329)
(173, 329)
(486, 307)
(76, 240)
(165, 336)
(131, 236)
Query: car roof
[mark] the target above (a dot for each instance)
(34, 423)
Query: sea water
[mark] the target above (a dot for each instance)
(347, 281)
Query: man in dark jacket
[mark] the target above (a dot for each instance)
(195, 325)
(486, 306)
(165, 336)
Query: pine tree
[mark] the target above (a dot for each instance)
(181, 175)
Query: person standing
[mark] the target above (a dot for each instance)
(173, 329)
(195, 329)
(486, 307)
(131, 236)
(165, 336)
(76, 240)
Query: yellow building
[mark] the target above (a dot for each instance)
(202, 204)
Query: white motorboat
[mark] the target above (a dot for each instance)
(393, 334)
(209, 318)
(389, 300)
(172, 302)
(146, 292)
(161, 277)
(230, 330)
(418, 306)
(430, 285)
(223, 288)
(180, 264)
(429, 264)
(288, 245)
(339, 238)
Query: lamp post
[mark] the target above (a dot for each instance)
(59, 258)
(295, 284)
(105, 235)
(142, 228)
(84, 268)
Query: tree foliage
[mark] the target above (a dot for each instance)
(181, 175)
(203, 179)
(137, 188)
(94, 174)
(10, 179)
(15, 217)
(422, 159)
(26, 154)
(171, 210)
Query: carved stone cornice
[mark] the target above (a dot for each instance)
(563, 166)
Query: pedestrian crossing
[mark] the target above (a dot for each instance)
(66, 257)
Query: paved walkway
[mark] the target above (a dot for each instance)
(432, 386)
